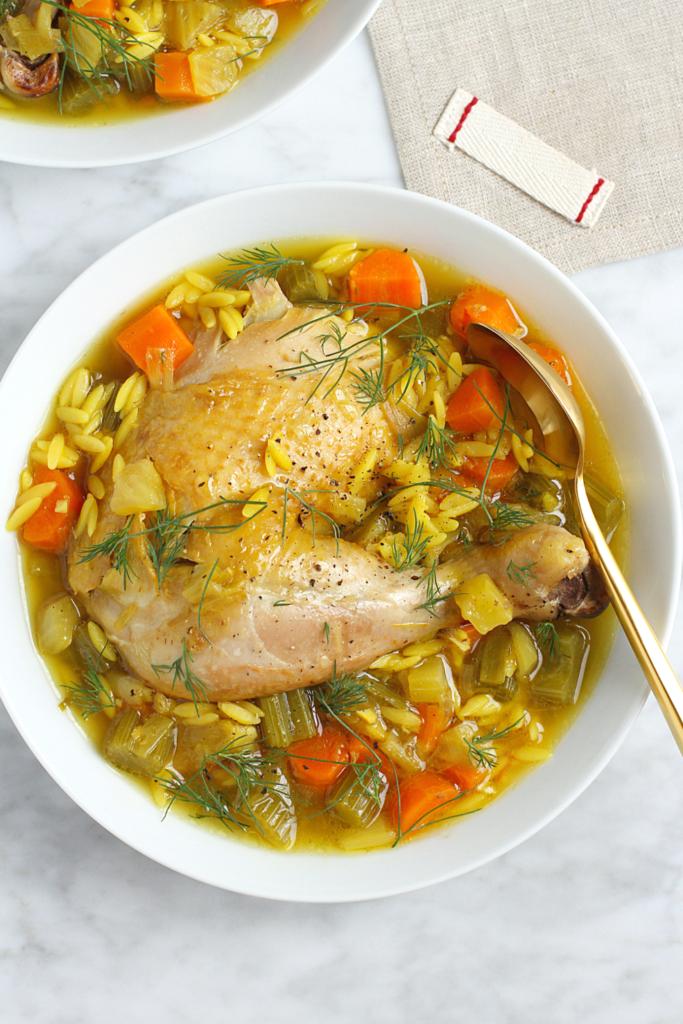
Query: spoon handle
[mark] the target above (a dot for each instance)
(646, 646)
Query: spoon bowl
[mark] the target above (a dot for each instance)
(560, 423)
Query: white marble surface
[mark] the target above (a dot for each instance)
(583, 923)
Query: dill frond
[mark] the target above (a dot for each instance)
(437, 446)
(521, 574)
(549, 640)
(480, 749)
(408, 554)
(434, 595)
(250, 264)
(165, 537)
(341, 694)
(111, 36)
(183, 674)
(90, 695)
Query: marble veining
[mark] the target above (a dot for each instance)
(584, 922)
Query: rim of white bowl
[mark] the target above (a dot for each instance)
(355, 886)
(18, 150)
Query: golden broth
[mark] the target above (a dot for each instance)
(45, 574)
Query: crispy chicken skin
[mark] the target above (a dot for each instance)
(286, 608)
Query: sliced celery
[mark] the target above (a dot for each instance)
(271, 809)
(300, 284)
(490, 667)
(607, 508)
(404, 755)
(142, 747)
(355, 801)
(384, 693)
(276, 724)
(301, 715)
(558, 681)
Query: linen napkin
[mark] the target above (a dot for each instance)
(600, 81)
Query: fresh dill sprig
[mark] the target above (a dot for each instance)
(407, 554)
(115, 547)
(326, 632)
(183, 674)
(281, 604)
(423, 356)
(368, 387)
(509, 517)
(110, 36)
(199, 789)
(521, 574)
(438, 446)
(364, 774)
(480, 749)
(200, 606)
(90, 695)
(165, 542)
(341, 694)
(165, 537)
(549, 640)
(465, 539)
(434, 595)
(335, 357)
(247, 771)
(251, 264)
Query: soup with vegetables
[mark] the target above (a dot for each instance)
(300, 562)
(104, 59)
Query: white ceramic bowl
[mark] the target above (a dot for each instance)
(178, 129)
(113, 285)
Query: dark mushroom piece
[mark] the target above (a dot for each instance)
(29, 78)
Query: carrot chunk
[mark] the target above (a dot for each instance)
(499, 476)
(173, 78)
(483, 306)
(156, 329)
(387, 276)
(359, 754)
(47, 528)
(96, 9)
(434, 723)
(464, 776)
(554, 359)
(425, 799)
(477, 404)
(320, 760)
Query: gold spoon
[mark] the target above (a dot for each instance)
(561, 424)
